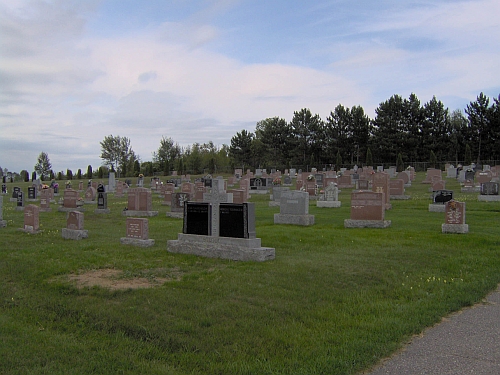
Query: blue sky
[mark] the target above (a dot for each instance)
(73, 72)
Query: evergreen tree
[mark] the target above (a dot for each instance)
(89, 172)
(79, 174)
(399, 163)
(468, 155)
(369, 158)
(432, 160)
(43, 166)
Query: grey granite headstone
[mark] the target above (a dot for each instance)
(3, 223)
(294, 209)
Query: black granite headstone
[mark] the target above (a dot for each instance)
(469, 175)
(442, 196)
(197, 218)
(20, 199)
(31, 193)
(15, 191)
(237, 220)
(4, 189)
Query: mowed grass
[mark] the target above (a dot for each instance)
(334, 301)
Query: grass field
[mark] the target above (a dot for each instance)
(334, 301)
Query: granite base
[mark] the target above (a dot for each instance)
(328, 204)
(350, 223)
(470, 189)
(3, 223)
(74, 234)
(136, 242)
(455, 228)
(400, 197)
(488, 198)
(102, 211)
(30, 230)
(139, 213)
(304, 220)
(241, 249)
(176, 215)
(433, 207)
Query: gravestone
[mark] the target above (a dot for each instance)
(177, 203)
(489, 188)
(431, 172)
(102, 201)
(287, 181)
(294, 209)
(140, 181)
(239, 195)
(397, 190)
(483, 176)
(319, 179)
(330, 197)
(237, 220)
(276, 195)
(438, 185)
(489, 192)
(111, 182)
(3, 223)
(31, 219)
(197, 218)
(32, 194)
(367, 210)
(167, 190)
(439, 199)
(20, 201)
(345, 182)
(70, 201)
(139, 203)
(90, 195)
(236, 239)
(380, 184)
(469, 174)
(137, 233)
(451, 172)
(405, 177)
(74, 227)
(362, 184)
(15, 192)
(454, 218)
(4, 189)
(45, 200)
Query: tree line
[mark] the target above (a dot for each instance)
(402, 129)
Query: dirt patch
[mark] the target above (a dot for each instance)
(112, 279)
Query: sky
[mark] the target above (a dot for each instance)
(74, 72)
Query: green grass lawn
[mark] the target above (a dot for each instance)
(334, 301)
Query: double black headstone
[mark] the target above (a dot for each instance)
(442, 196)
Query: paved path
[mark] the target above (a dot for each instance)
(467, 342)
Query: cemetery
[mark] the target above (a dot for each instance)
(231, 280)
